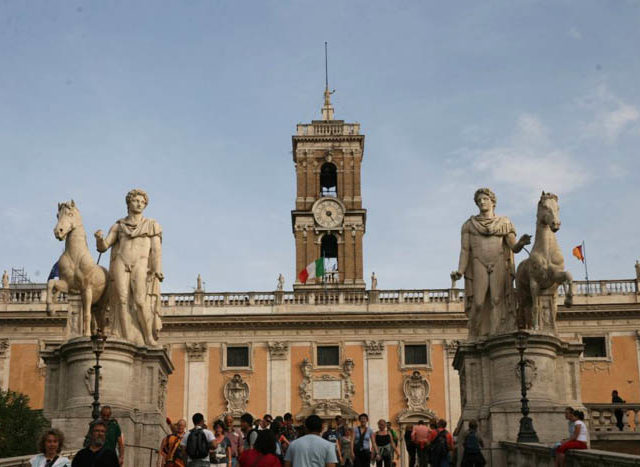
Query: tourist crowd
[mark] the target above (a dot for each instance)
(277, 442)
(274, 442)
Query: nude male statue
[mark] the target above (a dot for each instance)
(135, 271)
(486, 261)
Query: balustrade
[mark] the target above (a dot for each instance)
(602, 417)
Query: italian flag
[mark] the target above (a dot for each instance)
(315, 269)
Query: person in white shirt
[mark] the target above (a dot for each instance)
(311, 450)
(50, 445)
(578, 440)
(198, 425)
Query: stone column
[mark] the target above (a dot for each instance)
(376, 381)
(197, 378)
(279, 378)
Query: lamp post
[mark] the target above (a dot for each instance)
(97, 343)
(526, 434)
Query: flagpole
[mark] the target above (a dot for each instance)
(586, 270)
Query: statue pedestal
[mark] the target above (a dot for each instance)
(133, 381)
(490, 385)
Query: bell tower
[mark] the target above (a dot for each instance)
(328, 220)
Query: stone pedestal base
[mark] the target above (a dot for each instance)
(133, 381)
(490, 385)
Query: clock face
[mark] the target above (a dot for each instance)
(328, 213)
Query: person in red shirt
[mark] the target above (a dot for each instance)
(440, 459)
(420, 437)
(263, 453)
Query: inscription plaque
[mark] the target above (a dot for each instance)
(327, 389)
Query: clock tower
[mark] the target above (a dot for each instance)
(328, 220)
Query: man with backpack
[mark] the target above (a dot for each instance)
(249, 433)
(440, 446)
(197, 443)
(473, 444)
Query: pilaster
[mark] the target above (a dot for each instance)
(377, 380)
(197, 378)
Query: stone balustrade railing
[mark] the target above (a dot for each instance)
(332, 128)
(320, 297)
(602, 417)
(539, 455)
(37, 293)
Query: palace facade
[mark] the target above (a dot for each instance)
(329, 346)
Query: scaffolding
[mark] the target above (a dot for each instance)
(18, 276)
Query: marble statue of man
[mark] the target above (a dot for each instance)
(135, 272)
(374, 281)
(280, 286)
(486, 261)
(5, 280)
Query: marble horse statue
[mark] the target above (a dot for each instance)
(538, 277)
(78, 272)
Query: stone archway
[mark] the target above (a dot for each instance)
(407, 418)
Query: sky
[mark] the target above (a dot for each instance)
(196, 102)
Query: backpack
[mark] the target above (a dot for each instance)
(471, 443)
(438, 448)
(197, 444)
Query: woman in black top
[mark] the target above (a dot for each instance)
(385, 445)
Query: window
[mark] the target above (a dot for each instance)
(595, 347)
(328, 180)
(238, 357)
(328, 355)
(415, 354)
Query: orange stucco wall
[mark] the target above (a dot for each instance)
(175, 387)
(258, 382)
(396, 394)
(25, 376)
(355, 353)
(599, 378)
(437, 395)
(215, 397)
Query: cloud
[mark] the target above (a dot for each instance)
(612, 116)
(529, 160)
(574, 33)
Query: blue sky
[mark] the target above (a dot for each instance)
(196, 103)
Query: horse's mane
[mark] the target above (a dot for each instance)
(68, 205)
(545, 196)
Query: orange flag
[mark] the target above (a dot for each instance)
(577, 252)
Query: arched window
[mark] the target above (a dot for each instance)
(328, 180)
(329, 251)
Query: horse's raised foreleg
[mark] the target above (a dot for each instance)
(87, 296)
(54, 287)
(565, 279)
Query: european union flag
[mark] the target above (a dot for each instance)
(55, 272)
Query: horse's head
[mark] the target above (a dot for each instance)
(68, 219)
(548, 211)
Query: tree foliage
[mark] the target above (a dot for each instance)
(20, 425)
